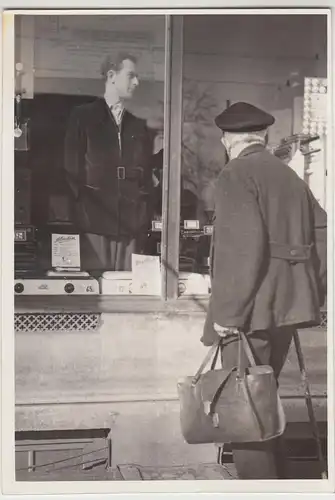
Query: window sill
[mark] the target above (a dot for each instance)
(109, 304)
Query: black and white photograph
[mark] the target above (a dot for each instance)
(170, 175)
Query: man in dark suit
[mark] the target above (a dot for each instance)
(268, 261)
(107, 164)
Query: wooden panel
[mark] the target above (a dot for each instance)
(172, 157)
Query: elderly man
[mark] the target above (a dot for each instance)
(107, 163)
(268, 261)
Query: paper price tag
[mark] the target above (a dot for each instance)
(191, 224)
(208, 230)
(156, 225)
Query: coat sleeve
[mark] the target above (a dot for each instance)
(239, 254)
(320, 241)
(74, 153)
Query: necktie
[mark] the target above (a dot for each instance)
(117, 110)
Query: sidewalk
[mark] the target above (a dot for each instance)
(192, 472)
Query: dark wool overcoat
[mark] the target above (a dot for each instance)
(109, 171)
(269, 247)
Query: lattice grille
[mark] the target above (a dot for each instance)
(25, 322)
(323, 323)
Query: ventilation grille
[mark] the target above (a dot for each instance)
(57, 321)
(323, 323)
(73, 321)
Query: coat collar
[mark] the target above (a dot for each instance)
(103, 114)
(253, 148)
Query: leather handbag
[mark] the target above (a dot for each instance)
(230, 406)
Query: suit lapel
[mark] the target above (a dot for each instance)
(102, 114)
(104, 125)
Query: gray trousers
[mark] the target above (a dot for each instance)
(261, 460)
(105, 253)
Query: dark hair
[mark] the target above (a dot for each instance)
(116, 63)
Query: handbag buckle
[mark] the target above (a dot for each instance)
(215, 420)
(207, 407)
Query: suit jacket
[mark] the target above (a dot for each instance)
(108, 170)
(269, 247)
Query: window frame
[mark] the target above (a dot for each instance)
(173, 113)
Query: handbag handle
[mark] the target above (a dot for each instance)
(247, 349)
(214, 348)
(216, 355)
(245, 344)
(252, 361)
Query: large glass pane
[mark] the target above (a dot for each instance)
(257, 59)
(90, 95)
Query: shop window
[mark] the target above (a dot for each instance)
(95, 168)
(189, 68)
(229, 58)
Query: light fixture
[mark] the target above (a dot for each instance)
(18, 99)
(17, 120)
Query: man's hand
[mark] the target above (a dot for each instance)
(224, 331)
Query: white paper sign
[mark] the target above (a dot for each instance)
(65, 251)
(298, 164)
(146, 275)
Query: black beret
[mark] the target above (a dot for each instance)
(243, 117)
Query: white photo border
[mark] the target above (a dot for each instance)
(9, 485)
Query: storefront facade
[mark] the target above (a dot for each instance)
(113, 359)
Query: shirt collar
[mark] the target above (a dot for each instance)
(113, 104)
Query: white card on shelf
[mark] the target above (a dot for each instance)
(65, 250)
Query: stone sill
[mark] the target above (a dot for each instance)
(109, 304)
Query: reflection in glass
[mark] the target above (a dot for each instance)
(96, 117)
(231, 58)
(202, 153)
